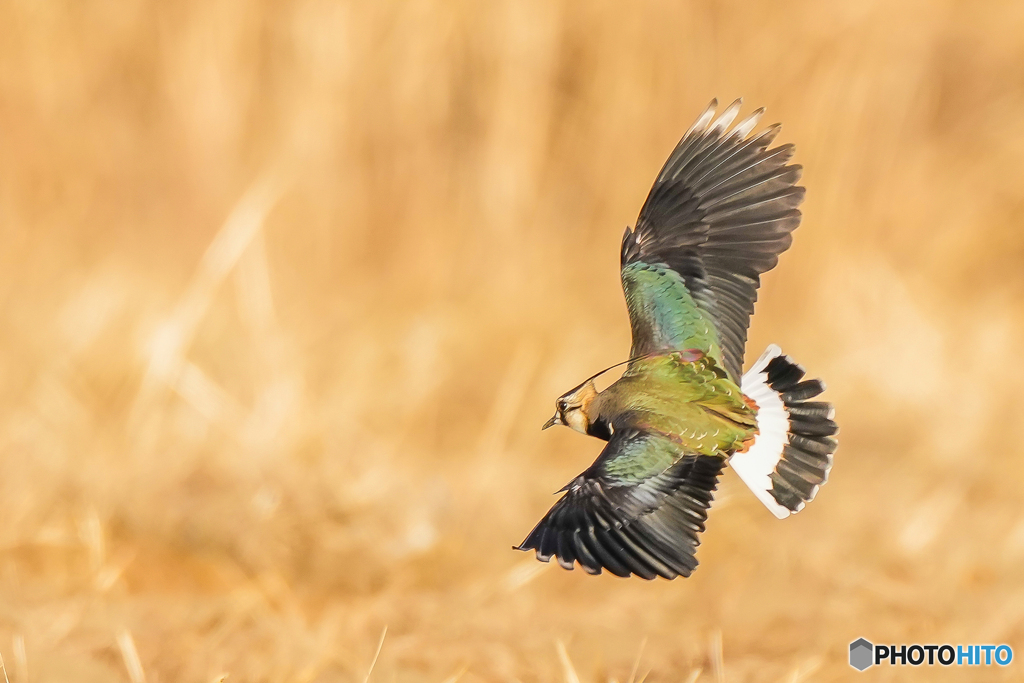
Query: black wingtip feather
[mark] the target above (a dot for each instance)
(719, 214)
(659, 538)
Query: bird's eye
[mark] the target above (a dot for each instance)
(561, 404)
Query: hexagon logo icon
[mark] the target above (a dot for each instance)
(861, 654)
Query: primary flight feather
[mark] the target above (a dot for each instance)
(720, 212)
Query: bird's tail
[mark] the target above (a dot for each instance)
(792, 453)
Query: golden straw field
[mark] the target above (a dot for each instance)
(288, 289)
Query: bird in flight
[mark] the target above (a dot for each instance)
(720, 212)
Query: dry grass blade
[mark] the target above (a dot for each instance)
(376, 654)
(20, 657)
(454, 678)
(130, 654)
(804, 670)
(522, 574)
(716, 656)
(568, 670)
(174, 335)
(636, 662)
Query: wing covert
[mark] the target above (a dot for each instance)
(718, 215)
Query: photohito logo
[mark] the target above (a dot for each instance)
(863, 654)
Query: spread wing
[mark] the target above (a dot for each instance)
(719, 214)
(637, 510)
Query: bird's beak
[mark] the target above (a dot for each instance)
(555, 420)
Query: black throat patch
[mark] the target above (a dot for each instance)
(600, 428)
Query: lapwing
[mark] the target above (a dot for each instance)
(721, 211)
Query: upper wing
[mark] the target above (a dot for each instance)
(637, 510)
(719, 214)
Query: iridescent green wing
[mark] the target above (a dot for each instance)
(718, 216)
(663, 313)
(639, 509)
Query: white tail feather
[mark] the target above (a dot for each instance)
(755, 465)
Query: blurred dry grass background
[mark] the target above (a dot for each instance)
(289, 287)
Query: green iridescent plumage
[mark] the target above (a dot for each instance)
(663, 313)
(719, 214)
(692, 402)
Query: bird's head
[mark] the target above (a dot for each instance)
(571, 408)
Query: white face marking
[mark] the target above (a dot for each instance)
(575, 418)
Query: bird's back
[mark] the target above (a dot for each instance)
(690, 400)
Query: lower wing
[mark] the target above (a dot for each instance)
(639, 509)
